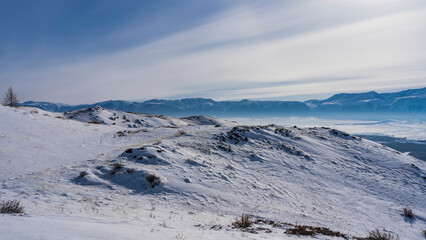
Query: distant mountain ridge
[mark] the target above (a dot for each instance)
(409, 101)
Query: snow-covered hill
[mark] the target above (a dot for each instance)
(189, 178)
(99, 115)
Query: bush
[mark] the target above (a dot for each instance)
(82, 174)
(130, 170)
(116, 167)
(242, 222)
(153, 180)
(229, 167)
(121, 134)
(377, 235)
(301, 230)
(11, 206)
(94, 122)
(180, 133)
(408, 213)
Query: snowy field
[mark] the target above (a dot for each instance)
(103, 174)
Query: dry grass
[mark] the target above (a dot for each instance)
(181, 133)
(153, 180)
(82, 174)
(116, 167)
(378, 235)
(408, 213)
(242, 222)
(301, 230)
(11, 206)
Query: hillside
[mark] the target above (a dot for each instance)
(99, 115)
(189, 178)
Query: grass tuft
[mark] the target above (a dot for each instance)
(378, 235)
(11, 207)
(83, 174)
(181, 133)
(116, 167)
(300, 230)
(243, 222)
(153, 180)
(408, 213)
(94, 122)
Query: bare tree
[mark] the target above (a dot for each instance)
(10, 98)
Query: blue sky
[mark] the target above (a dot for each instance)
(87, 51)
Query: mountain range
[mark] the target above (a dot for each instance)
(407, 101)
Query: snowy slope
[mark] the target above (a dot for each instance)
(210, 171)
(307, 175)
(32, 139)
(100, 115)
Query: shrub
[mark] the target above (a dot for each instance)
(180, 133)
(242, 222)
(179, 236)
(82, 174)
(121, 134)
(11, 206)
(229, 167)
(153, 180)
(93, 122)
(301, 230)
(377, 235)
(130, 170)
(408, 213)
(116, 167)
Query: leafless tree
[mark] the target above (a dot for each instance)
(10, 98)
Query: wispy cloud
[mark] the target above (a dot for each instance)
(254, 50)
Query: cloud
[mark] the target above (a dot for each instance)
(254, 50)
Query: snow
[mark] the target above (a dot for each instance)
(412, 129)
(100, 115)
(210, 170)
